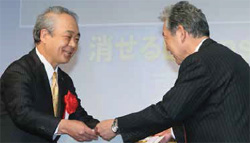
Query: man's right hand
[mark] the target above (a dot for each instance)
(77, 130)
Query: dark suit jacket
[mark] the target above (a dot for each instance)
(210, 98)
(26, 102)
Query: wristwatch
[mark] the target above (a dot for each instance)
(115, 127)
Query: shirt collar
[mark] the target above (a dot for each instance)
(198, 47)
(48, 67)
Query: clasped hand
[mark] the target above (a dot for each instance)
(77, 130)
(103, 129)
(81, 132)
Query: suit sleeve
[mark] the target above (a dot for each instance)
(180, 102)
(18, 95)
(81, 114)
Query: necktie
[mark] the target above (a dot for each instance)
(54, 91)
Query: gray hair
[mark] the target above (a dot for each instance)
(187, 15)
(47, 22)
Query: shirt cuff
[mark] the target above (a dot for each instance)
(172, 133)
(56, 131)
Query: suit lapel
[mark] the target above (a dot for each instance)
(43, 83)
(62, 92)
(43, 91)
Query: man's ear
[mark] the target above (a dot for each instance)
(181, 33)
(44, 34)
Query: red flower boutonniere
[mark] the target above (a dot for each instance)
(71, 103)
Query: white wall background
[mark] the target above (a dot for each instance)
(121, 66)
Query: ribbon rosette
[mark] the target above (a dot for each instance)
(70, 102)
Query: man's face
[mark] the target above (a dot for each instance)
(63, 43)
(172, 44)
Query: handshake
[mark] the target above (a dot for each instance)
(81, 132)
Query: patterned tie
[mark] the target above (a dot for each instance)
(54, 91)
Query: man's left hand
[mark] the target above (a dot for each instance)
(167, 135)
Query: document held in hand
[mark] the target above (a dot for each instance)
(151, 139)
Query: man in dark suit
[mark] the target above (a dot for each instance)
(28, 112)
(210, 99)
